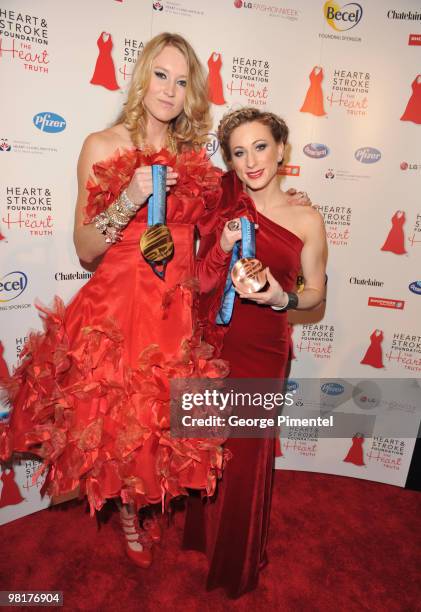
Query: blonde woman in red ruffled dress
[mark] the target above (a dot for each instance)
(91, 394)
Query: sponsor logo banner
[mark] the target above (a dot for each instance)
(386, 303)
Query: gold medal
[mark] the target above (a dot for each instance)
(156, 244)
(299, 286)
(248, 275)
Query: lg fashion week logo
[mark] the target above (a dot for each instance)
(284, 12)
(23, 39)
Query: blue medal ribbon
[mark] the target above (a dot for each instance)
(248, 249)
(158, 200)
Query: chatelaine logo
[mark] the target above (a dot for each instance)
(367, 155)
(12, 285)
(49, 122)
(343, 18)
(316, 150)
(332, 388)
(415, 287)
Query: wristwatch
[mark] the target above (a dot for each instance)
(290, 305)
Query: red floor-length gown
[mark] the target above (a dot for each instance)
(233, 528)
(355, 453)
(91, 396)
(313, 102)
(413, 108)
(395, 241)
(374, 354)
(104, 73)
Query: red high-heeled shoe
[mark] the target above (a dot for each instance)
(133, 535)
(153, 528)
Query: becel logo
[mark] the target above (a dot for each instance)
(316, 150)
(212, 145)
(332, 388)
(12, 285)
(367, 155)
(292, 385)
(343, 18)
(49, 122)
(415, 287)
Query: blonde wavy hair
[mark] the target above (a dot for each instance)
(233, 120)
(194, 122)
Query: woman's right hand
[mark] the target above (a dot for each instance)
(230, 234)
(140, 187)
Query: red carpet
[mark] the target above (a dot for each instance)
(336, 544)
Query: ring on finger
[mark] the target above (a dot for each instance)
(234, 226)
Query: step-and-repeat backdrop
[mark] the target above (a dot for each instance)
(346, 78)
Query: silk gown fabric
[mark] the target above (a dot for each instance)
(91, 396)
(232, 529)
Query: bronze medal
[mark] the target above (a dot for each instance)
(248, 275)
(156, 244)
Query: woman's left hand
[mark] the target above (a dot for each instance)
(273, 296)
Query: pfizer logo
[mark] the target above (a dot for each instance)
(367, 155)
(415, 287)
(49, 122)
(332, 389)
(292, 385)
(12, 285)
(342, 18)
(316, 150)
(212, 145)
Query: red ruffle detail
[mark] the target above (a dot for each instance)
(94, 421)
(199, 182)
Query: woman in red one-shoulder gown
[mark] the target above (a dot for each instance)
(232, 528)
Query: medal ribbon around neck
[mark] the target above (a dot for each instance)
(248, 250)
(156, 243)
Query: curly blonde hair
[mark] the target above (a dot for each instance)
(194, 122)
(233, 120)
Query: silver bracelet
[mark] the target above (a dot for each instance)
(126, 204)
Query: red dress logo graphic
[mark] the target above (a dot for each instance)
(374, 355)
(395, 241)
(104, 73)
(413, 108)
(215, 88)
(355, 453)
(10, 494)
(313, 102)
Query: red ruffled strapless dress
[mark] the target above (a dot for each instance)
(232, 528)
(91, 395)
